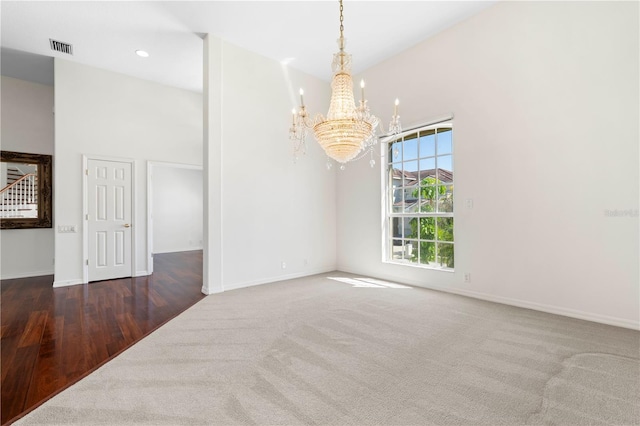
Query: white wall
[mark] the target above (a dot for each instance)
(27, 126)
(261, 209)
(545, 97)
(103, 113)
(177, 209)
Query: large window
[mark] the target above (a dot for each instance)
(420, 198)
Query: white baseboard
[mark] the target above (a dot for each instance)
(209, 293)
(557, 310)
(11, 276)
(551, 309)
(192, 248)
(244, 284)
(66, 283)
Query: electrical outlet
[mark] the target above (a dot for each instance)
(467, 277)
(284, 265)
(469, 203)
(66, 229)
(306, 262)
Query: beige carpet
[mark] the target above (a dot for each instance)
(361, 352)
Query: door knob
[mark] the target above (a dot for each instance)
(126, 225)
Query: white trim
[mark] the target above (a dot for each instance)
(85, 222)
(180, 250)
(85, 211)
(141, 273)
(149, 252)
(413, 128)
(384, 199)
(417, 265)
(541, 307)
(67, 283)
(175, 165)
(244, 284)
(150, 165)
(207, 292)
(28, 274)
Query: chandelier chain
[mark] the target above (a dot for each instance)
(341, 20)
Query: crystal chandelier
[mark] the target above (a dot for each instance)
(347, 130)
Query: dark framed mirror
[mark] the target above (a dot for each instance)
(25, 190)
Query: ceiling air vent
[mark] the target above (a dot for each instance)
(59, 46)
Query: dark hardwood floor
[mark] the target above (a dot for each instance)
(52, 337)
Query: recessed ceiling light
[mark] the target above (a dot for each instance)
(142, 53)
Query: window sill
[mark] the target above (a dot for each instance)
(419, 266)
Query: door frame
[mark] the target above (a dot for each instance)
(150, 166)
(85, 211)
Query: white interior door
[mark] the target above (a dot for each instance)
(109, 222)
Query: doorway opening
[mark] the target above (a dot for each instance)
(174, 208)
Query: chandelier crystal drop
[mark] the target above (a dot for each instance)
(347, 130)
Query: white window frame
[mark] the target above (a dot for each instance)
(387, 208)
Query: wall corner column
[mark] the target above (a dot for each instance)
(212, 278)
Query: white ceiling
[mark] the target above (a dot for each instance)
(106, 34)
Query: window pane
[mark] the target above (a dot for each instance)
(410, 251)
(396, 227)
(445, 255)
(411, 227)
(410, 166)
(445, 163)
(427, 252)
(428, 198)
(444, 141)
(411, 194)
(395, 179)
(395, 152)
(410, 148)
(408, 200)
(427, 143)
(395, 196)
(428, 228)
(445, 198)
(428, 182)
(397, 249)
(411, 206)
(427, 164)
(445, 229)
(427, 206)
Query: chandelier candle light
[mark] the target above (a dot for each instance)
(347, 130)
